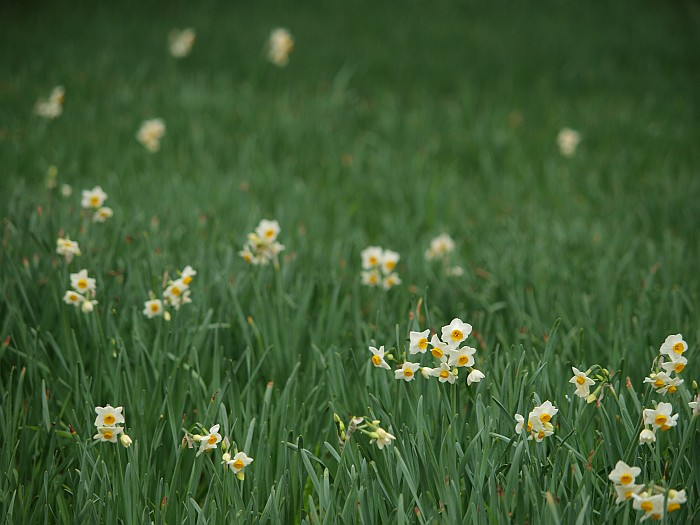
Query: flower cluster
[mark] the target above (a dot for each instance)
(663, 382)
(367, 426)
(279, 46)
(53, 106)
(175, 294)
(180, 42)
(93, 200)
(447, 350)
(107, 422)
(83, 293)
(661, 417)
(379, 267)
(262, 246)
(568, 140)
(651, 499)
(67, 248)
(209, 439)
(539, 422)
(150, 133)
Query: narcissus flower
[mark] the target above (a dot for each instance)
(675, 499)
(647, 436)
(520, 424)
(88, 305)
(150, 133)
(53, 106)
(94, 198)
(695, 405)
(444, 373)
(103, 214)
(456, 332)
(108, 433)
(67, 248)
(676, 364)
(210, 440)
(389, 261)
(463, 356)
(663, 383)
(418, 342)
(262, 246)
(371, 278)
(568, 140)
(73, 298)
(153, 308)
(238, 462)
(652, 505)
(544, 412)
(81, 283)
(407, 372)
(623, 474)
(268, 230)
(391, 280)
(108, 416)
(673, 346)
(371, 257)
(439, 349)
(187, 274)
(381, 437)
(279, 46)
(181, 42)
(660, 417)
(378, 357)
(475, 376)
(440, 247)
(125, 441)
(625, 492)
(582, 381)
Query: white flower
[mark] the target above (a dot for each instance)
(673, 346)
(67, 248)
(474, 377)
(81, 282)
(625, 492)
(544, 412)
(664, 383)
(382, 438)
(541, 431)
(102, 214)
(582, 381)
(88, 305)
(647, 436)
(181, 42)
(675, 499)
(463, 356)
(427, 372)
(389, 261)
(238, 462)
(653, 506)
(407, 372)
(174, 292)
(695, 405)
(391, 280)
(187, 274)
(371, 257)
(73, 298)
(439, 349)
(93, 198)
(456, 332)
(209, 441)
(520, 425)
(444, 373)
(568, 140)
(53, 107)
(267, 230)
(125, 440)
(378, 357)
(371, 278)
(660, 417)
(440, 247)
(676, 364)
(418, 342)
(108, 434)
(150, 133)
(108, 416)
(153, 308)
(279, 46)
(454, 271)
(623, 474)
(66, 190)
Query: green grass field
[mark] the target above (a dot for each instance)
(391, 124)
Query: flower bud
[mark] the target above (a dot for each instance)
(126, 440)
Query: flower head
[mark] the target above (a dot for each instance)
(238, 462)
(652, 505)
(407, 372)
(378, 357)
(103, 214)
(440, 247)
(391, 280)
(418, 342)
(210, 440)
(664, 383)
(72, 297)
(625, 492)
(582, 381)
(660, 417)
(125, 440)
(180, 42)
(67, 248)
(456, 332)
(81, 283)
(444, 373)
(279, 46)
(462, 356)
(389, 261)
(676, 364)
(544, 412)
(371, 278)
(382, 438)
(439, 349)
(647, 436)
(371, 257)
(695, 405)
(623, 474)
(673, 346)
(108, 433)
(150, 133)
(568, 140)
(153, 308)
(475, 376)
(108, 416)
(94, 198)
(53, 106)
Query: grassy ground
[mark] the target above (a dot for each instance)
(390, 125)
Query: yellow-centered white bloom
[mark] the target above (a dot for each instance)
(268, 230)
(103, 214)
(391, 280)
(382, 438)
(676, 364)
(53, 106)
(407, 372)
(675, 499)
(673, 346)
(582, 381)
(187, 274)
(279, 46)
(390, 260)
(663, 383)
(81, 283)
(653, 506)
(174, 292)
(371, 257)
(544, 412)
(210, 440)
(108, 416)
(456, 332)
(439, 349)
(108, 433)
(625, 492)
(371, 277)
(462, 356)
(647, 436)
(568, 140)
(181, 42)
(378, 357)
(541, 431)
(440, 247)
(238, 462)
(67, 248)
(418, 342)
(153, 308)
(444, 373)
(93, 199)
(72, 297)
(623, 474)
(150, 133)
(474, 377)
(660, 417)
